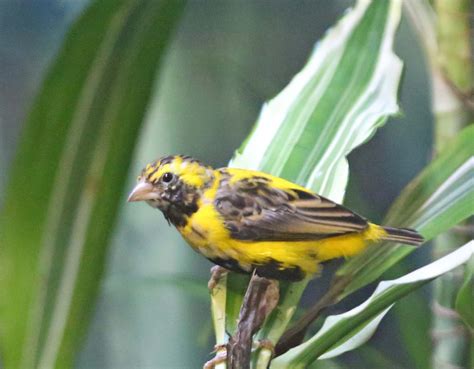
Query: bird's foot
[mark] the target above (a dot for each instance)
(216, 274)
(273, 295)
(221, 356)
(266, 344)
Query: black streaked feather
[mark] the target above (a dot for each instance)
(271, 269)
(404, 235)
(254, 210)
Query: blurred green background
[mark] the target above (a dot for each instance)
(226, 58)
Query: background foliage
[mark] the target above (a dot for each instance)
(225, 59)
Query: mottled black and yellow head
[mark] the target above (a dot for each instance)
(174, 185)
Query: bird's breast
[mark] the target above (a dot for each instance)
(205, 232)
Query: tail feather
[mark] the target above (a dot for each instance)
(403, 235)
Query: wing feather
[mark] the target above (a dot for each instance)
(254, 209)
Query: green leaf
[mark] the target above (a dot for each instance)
(413, 320)
(439, 198)
(344, 93)
(346, 90)
(344, 332)
(185, 284)
(66, 181)
(465, 298)
(340, 121)
(218, 309)
(375, 358)
(326, 364)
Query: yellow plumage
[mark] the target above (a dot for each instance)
(246, 220)
(305, 254)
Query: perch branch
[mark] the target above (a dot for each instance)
(259, 301)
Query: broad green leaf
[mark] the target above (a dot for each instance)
(326, 364)
(185, 284)
(412, 319)
(375, 358)
(439, 198)
(441, 195)
(344, 93)
(465, 299)
(344, 332)
(451, 111)
(66, 181)
(328, 173)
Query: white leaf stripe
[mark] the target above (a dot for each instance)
(359, 123)
(286, 139)
(324, 58)
(457, 188)
(457, 178)
(354, 341)
(452, 205)
(386, 293)
(73, 257)
(327, 131)
(54, 216)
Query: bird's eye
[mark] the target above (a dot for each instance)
(167, 177)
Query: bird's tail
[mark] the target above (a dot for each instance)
(403, 235)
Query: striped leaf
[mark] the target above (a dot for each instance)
(344, 93)
(344, 332)
(346, 90)
(447, 181)
(66, 181)
(439, 198)
(464, 297)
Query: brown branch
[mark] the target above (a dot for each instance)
(259, 301)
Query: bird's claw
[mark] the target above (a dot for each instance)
(216, 274)
(221, 356)
(266, 344)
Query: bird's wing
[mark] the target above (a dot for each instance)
(255, 210)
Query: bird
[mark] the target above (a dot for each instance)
(248, 221)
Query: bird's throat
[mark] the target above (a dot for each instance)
(180, 210)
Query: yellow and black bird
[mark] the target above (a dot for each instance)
(248, 221)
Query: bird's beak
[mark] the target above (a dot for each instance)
(142, 191)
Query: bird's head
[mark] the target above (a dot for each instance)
(173, 184)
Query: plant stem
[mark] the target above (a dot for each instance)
(447, 44)
(450, 336)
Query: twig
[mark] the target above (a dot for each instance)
(260, 299)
